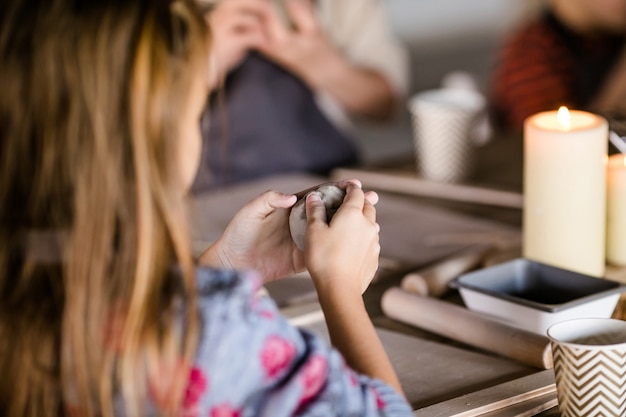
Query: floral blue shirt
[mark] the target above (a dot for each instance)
(252, 362)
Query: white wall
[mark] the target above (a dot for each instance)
(450, 35)
(431, 22)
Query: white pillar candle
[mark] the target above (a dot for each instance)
(565, 156)
(616, 210)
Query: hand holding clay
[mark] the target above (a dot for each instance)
(332, 197)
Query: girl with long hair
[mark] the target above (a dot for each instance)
(103, 310)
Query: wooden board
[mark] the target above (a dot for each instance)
(527, 408)
(513, 398)
(401, 182)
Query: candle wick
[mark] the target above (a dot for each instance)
(617, 141)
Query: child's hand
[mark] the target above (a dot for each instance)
(258, 238)
(343, 255)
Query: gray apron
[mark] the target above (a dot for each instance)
(264, 122)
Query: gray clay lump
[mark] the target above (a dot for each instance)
(332, 197)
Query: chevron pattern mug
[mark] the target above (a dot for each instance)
(443, 120)
(590, 366)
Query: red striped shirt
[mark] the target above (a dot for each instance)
(543, 66)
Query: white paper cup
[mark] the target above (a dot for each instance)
(442, 121)
(590, 366)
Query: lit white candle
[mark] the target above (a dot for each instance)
(616, 210)
(564, 217)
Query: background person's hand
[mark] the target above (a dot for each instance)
(304, 48)
(237, 26)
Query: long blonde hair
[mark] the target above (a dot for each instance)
(96, 274)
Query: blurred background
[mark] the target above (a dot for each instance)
(442, 36)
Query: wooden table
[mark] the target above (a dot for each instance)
(494, 190)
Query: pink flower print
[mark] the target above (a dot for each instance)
(224, 410)
(276, 355)
(380, 403)
(196, 386)
(267, 314)
(313, 376)
(354, 380)
(262, 310)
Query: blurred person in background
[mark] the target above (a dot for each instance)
(292, 76)
(572, 54)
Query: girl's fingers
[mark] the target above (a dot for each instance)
(355, 198)
(369, 211)
(315, 210)
(266, 203)
(344, 183)
(341, 184)
(371, 197)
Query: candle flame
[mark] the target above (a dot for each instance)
(564, 117)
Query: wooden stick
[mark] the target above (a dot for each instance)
(415, 186)
(466, 326)
(434, 279)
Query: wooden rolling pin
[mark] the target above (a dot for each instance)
(466, 326)
(434, 279)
